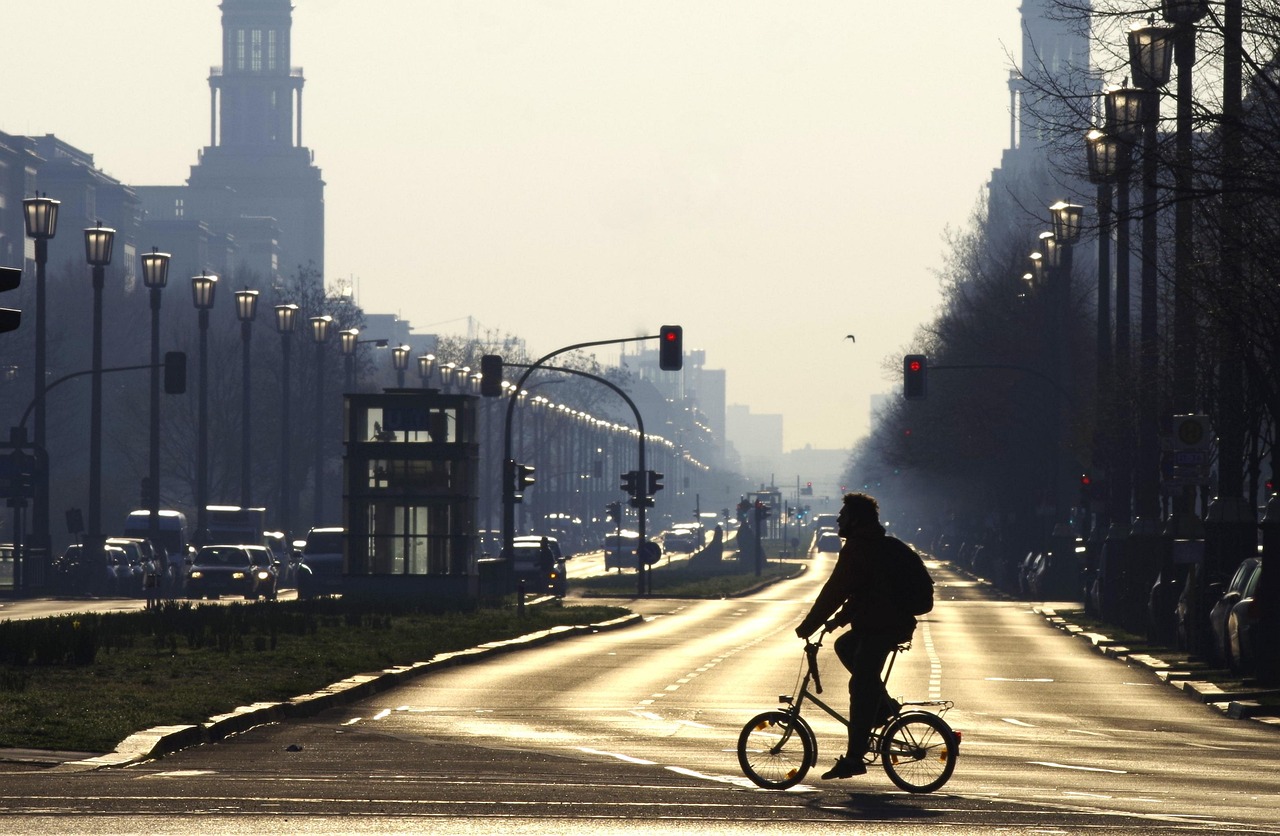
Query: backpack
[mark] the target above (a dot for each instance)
(908, 577)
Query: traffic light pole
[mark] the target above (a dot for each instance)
(508, 486)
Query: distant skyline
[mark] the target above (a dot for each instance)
(772, 176)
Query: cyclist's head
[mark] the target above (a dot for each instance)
(858, 509)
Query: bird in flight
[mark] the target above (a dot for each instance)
(850, 338)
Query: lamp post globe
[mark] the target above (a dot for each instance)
(1151, 55)
(400, 361)
(426, 364)
(1067, 219)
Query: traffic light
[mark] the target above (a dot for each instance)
(630, 482)
(518, 477)
(655, 482)
(614, 510)
(175, 372)
(491, 375)
(10, 319)
(671, 348)
(914, 370)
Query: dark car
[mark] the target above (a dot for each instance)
(231, 570)
(537, 562)
(620, 550)
(825, 542)
(320, 570)
(1223, 607)
(1242, 625)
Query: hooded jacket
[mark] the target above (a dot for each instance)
(860, 587)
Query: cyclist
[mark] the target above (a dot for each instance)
(865, 588)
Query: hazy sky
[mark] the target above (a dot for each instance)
(770, 174)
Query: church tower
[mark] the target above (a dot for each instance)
(256, 178)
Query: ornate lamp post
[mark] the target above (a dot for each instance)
(155, 275)
(347, 341)
(426, 364)
(41, 217)
(246, 312)
(320, 328)
(98, 243)
(400, 360)
(203, 289)
(1108, 159)
(286, 321)
(1150, 59)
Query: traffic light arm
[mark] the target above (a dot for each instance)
(31, 406)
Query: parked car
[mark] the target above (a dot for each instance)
(132, 569)
(825, 542)
(1242, 624)
(538, 561)
(1220, 650)
(231, 570)
(320, 570)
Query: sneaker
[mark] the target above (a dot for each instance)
(846, 767)
(891, 708)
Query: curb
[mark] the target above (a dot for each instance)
(159, 741)
(1238, 705)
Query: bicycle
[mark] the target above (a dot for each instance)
(916, 746)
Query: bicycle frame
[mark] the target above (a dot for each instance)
(796, 702)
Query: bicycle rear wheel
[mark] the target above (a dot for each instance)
(775, 750)
(919, 751)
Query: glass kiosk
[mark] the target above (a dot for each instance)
(410, 475)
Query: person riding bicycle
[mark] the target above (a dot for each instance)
(864, 588)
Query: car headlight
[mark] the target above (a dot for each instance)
(196, 575)
(263, 575)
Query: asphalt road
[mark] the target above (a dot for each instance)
(633, 731)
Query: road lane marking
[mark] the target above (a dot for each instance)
(1053, 765)
(618, 756)
(1014, 722)
(1014, 679)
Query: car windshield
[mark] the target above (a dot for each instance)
(260, 558)
(222, 557)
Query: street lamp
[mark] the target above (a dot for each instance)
(41, 217)
(203, 289)
(98, 241)
(426, 364)
(400, 360)
(155, 275)
(286, 321)
(246, 312)
(347, 341)
(1150, 59)
(320, 327)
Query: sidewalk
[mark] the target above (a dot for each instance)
(1231, 694)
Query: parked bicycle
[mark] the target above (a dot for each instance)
(916, 746)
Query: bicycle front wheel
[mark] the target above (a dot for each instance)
(775, 750)
(919, 751)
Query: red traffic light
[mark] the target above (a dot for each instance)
(915, 367)
(671, 348)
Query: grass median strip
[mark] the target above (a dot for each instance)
(94, 680)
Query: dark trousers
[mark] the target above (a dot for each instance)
(864, 654)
